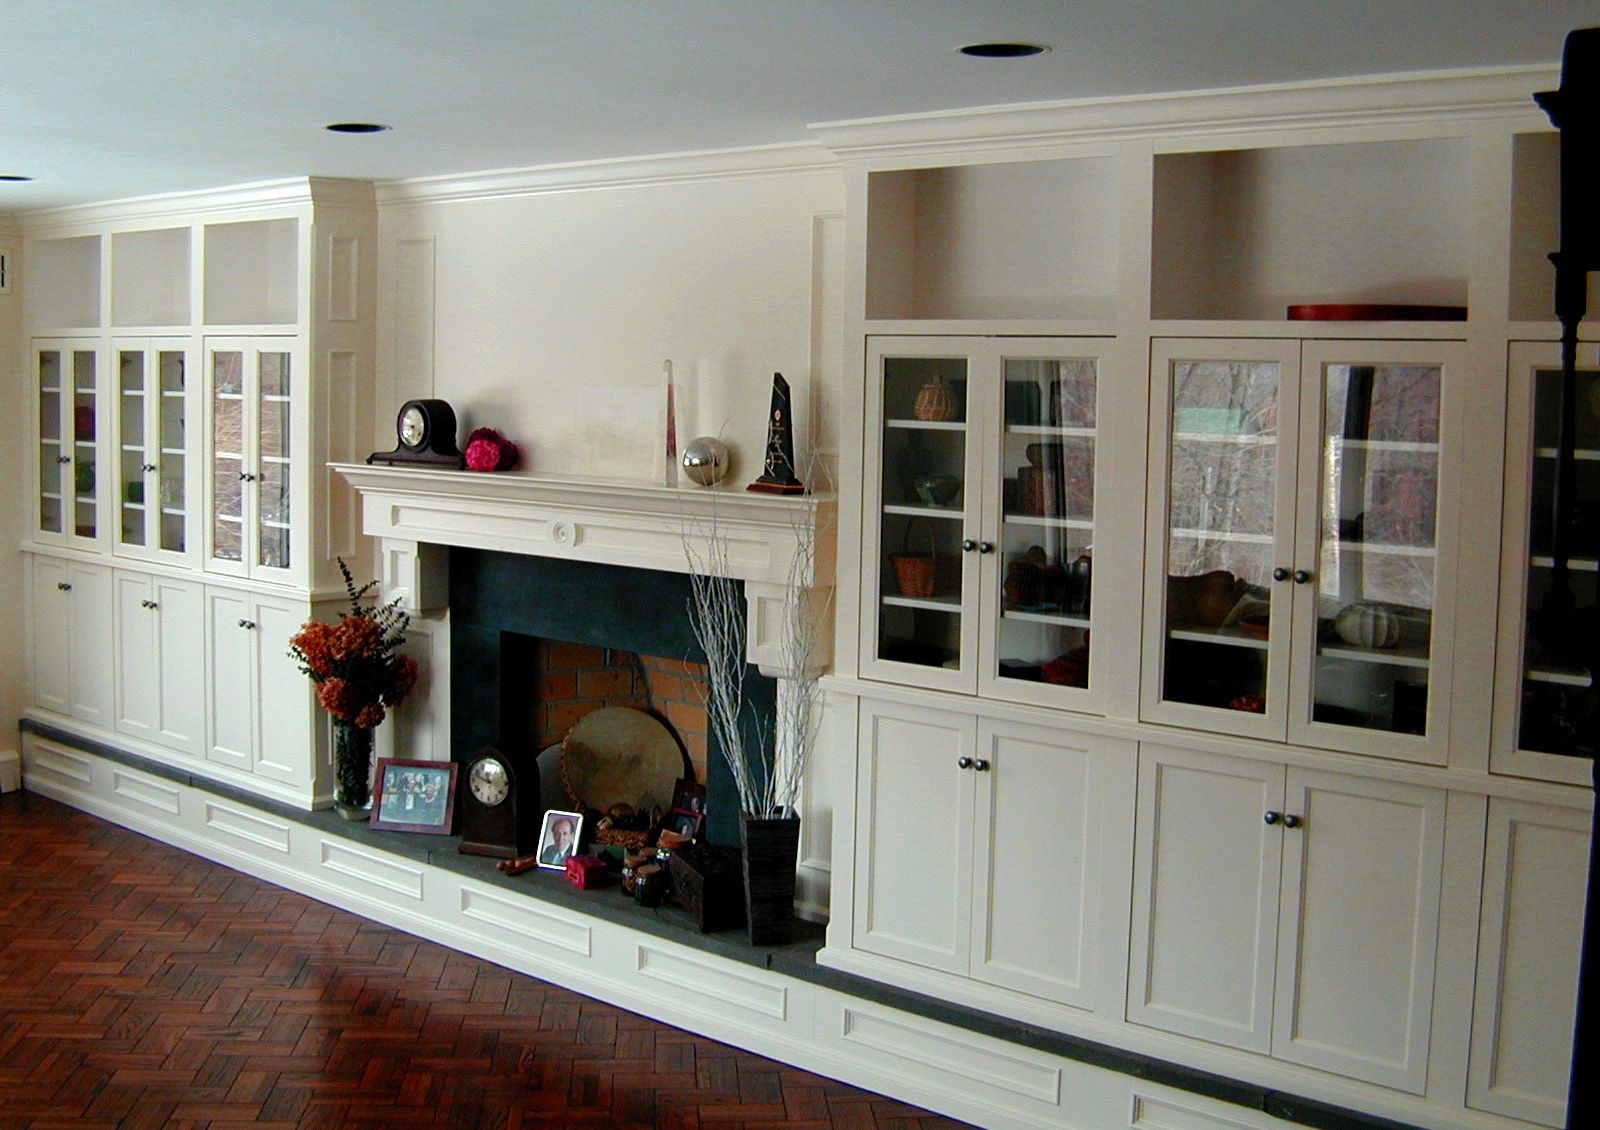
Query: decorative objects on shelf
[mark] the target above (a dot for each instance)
(778, 475)
(357, 673)
(936, 402)
(938, 490)
(916, 574)
(425, 432)
(705, 460)
(560, 839)
(1367, 625)
(669, 465)
(488, 450)
(413, 796)
(500, 809)
(1374, 312)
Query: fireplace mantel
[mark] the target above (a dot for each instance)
(415, 513)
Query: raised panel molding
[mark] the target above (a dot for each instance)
(700, 978)
(69, 768)
(141, 790)
(974, 1060)
(251, 830)
(527, 921)
(371, 867)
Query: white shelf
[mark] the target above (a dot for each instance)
(1057, 619)
(1049, 430)
(1576, 564)
(1048, 522)
(1380, 549)
(1424, 447)
(1582, 454)
(927, 425)
(1387, 657)
(1564, 678)
(1221, 535)
(931, 603)
(1230, 438)
(896, 508)
(1227, 637)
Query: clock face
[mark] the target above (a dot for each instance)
(413, 425)
(489, 782)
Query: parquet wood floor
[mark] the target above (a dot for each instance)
(141, 986)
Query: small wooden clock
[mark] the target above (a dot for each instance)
(499, 807)
(425, 432)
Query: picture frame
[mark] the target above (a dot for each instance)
(559, 839)
(414, 796)
(688, 795)
(685, 823)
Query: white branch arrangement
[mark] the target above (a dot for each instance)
(770, 778)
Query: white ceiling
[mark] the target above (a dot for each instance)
(104, 99)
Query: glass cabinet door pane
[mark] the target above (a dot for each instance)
(132, 453)
(1222, 487)
(1559, 698)
(272, 480)
(1047, 520)
(52, 459)
(174, 450)
(924, 445)
(227, 455)
(85, 417)
(1379, 487)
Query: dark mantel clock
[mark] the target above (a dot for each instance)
(500, 806)
(425, 433)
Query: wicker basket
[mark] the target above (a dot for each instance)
(936, 401)
(915, 574)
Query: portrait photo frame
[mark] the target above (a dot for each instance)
(552, 851)
(688, 796)
(414, 796)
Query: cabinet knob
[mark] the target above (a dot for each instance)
(1280, 574)
(148, 603)
(246, 477)
(1301, 576)
(63, 459)
(1290, 820)
(986, 547)
(247, 624)
(964, 763)
(63, 586)
(1272, 817)
(148, 467)
(981, 765)
(968, 545)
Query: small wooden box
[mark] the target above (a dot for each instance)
(707, 882)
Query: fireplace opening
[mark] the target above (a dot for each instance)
(538, 642)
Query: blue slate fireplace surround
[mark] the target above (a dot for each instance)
(502, 603)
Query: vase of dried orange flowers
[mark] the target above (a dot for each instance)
(358, 676)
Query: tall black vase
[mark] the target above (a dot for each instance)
(771, 848)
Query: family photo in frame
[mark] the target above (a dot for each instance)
(414, 796)
(558, 839)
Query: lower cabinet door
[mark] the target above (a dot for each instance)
(230, 729)
(1048, 860)
(1530, 943)
(50, 632)
(914, 834)
(285, 748)
(1205, 896)
(180, 606)
(138, 657)
(1359, 928)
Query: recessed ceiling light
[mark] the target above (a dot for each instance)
(1003, 50)
(14, 177)
(356, 127)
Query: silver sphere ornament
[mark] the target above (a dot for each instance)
(705, 460)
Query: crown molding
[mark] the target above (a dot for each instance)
(623, 172)
(1384, 100)
(179, 207)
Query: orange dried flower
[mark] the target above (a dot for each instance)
(353, 663)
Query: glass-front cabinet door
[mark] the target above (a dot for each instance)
(1547, 726)
(1298, 592)
(153, 449)
(249, 385)
(981, 515)
(67, 391)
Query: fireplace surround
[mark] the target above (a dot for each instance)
(598, 562)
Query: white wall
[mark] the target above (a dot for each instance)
(546, 310)
(13, 500)
(548, 314)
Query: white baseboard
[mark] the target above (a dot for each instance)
(10, 771)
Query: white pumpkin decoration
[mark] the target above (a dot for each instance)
(1367, 625)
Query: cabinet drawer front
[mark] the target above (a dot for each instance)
(913, 836)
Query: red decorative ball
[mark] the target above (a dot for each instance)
(488, 450)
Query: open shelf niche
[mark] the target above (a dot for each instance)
(150, 278)
(65, 286)
(251, 272)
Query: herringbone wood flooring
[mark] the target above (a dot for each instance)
(143, 986)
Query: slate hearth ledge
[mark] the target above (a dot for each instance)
(797, 959)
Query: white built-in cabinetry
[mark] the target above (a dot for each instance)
(195, 365)
(1244, 606)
